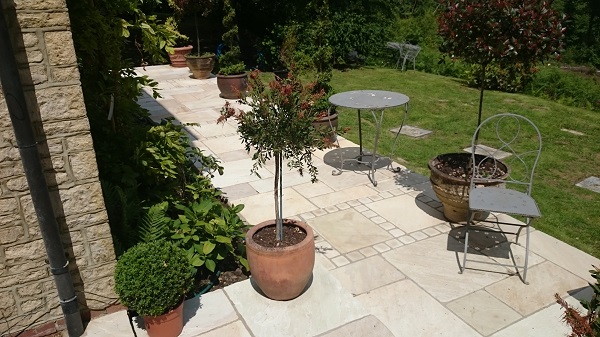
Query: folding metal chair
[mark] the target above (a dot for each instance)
(518, 141)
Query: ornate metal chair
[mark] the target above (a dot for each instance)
(406, 52)
(510, 145)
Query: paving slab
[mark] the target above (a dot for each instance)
(237, 172)
(590, 183)
(224, 144)
(411, 131)
(289, 179)
(298, 317)
(238, 191)
(348, 230)
(433, 264)
(235, 329)
(407, 310)
(366, 326)
(358, 277)
(261, 207)
(483, 312)
(344, 195)
(488, 151)
(406, 213)
(310, 190)
(544, 280)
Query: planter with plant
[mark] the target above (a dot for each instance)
(152, 279)
(278, 126)
(499, 34)
(232, 79)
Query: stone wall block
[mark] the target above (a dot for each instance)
(30, 39)
(83, 164)
(30, 290)
(37, 5)
(27, 251)
(83, 220)
(56, 178)
(10, 235)
(34, 56)
(98, 231)
(7, 303)
(38, 73)
(33, 305)
(8, 220)
(9, 154)
(102, 251)
(61, 103)
(84, 198)
(18, 184)
(43, 20)
(60, 48)
(64, 74)
(98, 272)
(72, 237)
(68, 126)
(8, 205)
(55, 146)
(57, 163)
(11, 168)
(100, 293)
(22, 278)
(80, 143)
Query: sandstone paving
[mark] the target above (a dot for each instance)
(298, 317)
(407, 310)
(387, 261)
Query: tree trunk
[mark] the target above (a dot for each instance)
(278, 197)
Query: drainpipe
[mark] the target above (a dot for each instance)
(19, 115)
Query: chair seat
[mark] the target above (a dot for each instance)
(503, 200)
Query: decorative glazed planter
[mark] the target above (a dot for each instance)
(232, 85)
(281, 273)
(178, 57)
(201, 66)
(454, 192)
(167, 325)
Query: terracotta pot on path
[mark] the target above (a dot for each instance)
(281, 273)
(232, 85)
(167, 325)
(178, 57)
(201, 66)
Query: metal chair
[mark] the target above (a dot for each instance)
(505, 147)
(406, 52)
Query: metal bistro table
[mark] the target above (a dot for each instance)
(375, 101)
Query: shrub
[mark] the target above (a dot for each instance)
(152, 278)
(587, 325)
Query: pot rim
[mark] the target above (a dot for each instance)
(434, 170)
(232, 76)
(278, 250)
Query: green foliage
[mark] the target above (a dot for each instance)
(230, 62)
(279, 126)
(510, 78)
(152, 278)
(588, 324)
(566, 87)
(210, 232)
(155, 223)
(582, 37)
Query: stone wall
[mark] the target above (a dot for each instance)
(48, 68)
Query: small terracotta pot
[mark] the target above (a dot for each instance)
(281, 273)
(178, 57)
(167, 325)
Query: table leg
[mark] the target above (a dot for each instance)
(360, 151)
(378, 123)
(391, 164)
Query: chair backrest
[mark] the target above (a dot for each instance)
(506, 147)
(410, 51)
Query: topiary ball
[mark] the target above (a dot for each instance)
(151, 278)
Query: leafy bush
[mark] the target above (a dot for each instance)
(509, 78)
(152, 278)
(210, 232)
(566, 87)
(230, 62)
(587, 325)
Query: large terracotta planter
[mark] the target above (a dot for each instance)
(231, 86)
(178, 57)
(281, 273)
(329, 124)
(167, 325)
(454, 192)
(201, 66)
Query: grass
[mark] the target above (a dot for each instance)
(449, 108)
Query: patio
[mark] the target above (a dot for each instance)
(387, 261)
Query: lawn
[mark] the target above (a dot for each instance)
(449, 108)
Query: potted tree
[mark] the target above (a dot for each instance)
(201, 64)
(278, 126)
(152, 279)
(232, 79)
(489, 33)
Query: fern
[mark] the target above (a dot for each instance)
(123, 210)
(155, 223)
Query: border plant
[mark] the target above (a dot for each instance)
(230, 62)
(588, 324)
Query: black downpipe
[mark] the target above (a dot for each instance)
(19, 115)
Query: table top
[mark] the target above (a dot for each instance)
(368, 99)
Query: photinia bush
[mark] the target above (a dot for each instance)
(500, 32)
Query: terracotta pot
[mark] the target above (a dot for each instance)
(178, 57)
(167, 325)
(201, 66)
(232, 85)
(281, 273)
(454, 192)
(327, 123)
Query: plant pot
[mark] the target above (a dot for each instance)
(454, 192)
(281, 273)
(167, 325)
(178, 56)
(201, 66)
(280, 74)
(328, 123)
(231, 86)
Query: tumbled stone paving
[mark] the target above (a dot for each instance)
(387, 260)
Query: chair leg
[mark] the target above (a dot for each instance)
(527, 230)
(464, 264)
